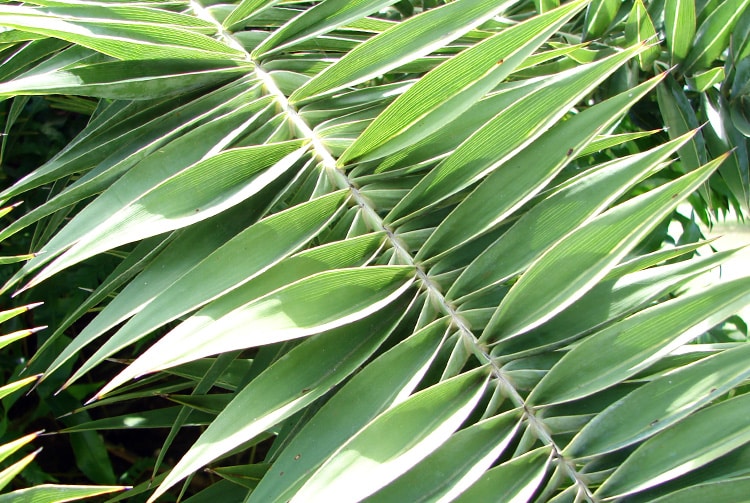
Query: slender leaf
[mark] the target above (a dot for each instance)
(116, 38)
(55, 493)
(157, 418)
(16, 385)
(641, 340)
(348, 253)
(196, 193)
(295, 380)
(12, 313)
(690, 444)
(395, 441)
(640, 29)
(455, 465)
(320, 19)
(679, 25)
(729, 491)
(9, 448)
(246, 9)
(298, 310)
(599, 16)
(454, 86)
(557, 215)
(573, 265)
(413, 38)
(381, 384)
(9, 473)
(516, 480)
(501, 138)
(661, 403)
(680, 118)
(713, 35)
(125, 79)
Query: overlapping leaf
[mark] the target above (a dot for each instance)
(407, 230)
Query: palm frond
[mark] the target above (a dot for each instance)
(410, 234)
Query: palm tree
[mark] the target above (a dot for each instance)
(401, 251)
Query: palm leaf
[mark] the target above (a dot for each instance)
(416, 226)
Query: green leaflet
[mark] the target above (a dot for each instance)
(126, 11)
(690, 444)
(348, 253)
(16, 385)
(454, 86)
(555, 216)
(221, 490)
(623, 294)
(661, 403)
(640, 341)
(181, 255)
(152, 171)
(599, 17)
(713, 35)
(640, 29)
(679, 25)
(444, 140)
(53, 492)
(12, 313)
(17, 335)
(230, 377)
(525, 174)
(546, 5)
(403, 42)
(122, 129)
(295, 380)
(198, 192)
(125, 271)
(126, 80)
(455, 465)
(722, 136)
(14, 259)
(395, 441)
(505, 135)
(606, 141)
(25, 55)
(298, 310)
(245, 475)
(157, 418)
(516, 480)
(680, 118)
(14, 112)
(282, 234)
(322, 18)
(9, 448)
(574, 264)
(729, 491)
(119, 39)
(212, 404)
(142, 146)
(245, 9)
(9, 473)
(383, 383)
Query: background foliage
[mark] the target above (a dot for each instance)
(379, 249)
